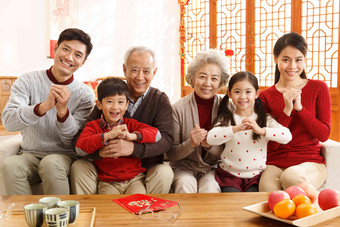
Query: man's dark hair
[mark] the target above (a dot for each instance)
(76, 34)
(112, 86)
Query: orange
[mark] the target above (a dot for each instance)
(304, 210)
(301, 199)
(284, 208)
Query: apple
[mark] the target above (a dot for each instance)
(275, 197)
(294, 191)
(328, 198)
(310, 191)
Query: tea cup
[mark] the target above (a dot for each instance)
(51, 202)
(73, 209)
(56, 217)
(34, 214)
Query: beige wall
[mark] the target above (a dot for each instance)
(114, 26)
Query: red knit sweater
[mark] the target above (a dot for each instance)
(204, 111)
(122, 168)
(308, 127)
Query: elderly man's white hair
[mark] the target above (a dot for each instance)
(141, 49)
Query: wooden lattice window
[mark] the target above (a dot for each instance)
(320, 26)
(251, 28)
(273, 22)
(231, 31)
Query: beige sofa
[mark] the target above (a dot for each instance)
(330, 149)
(10, 145)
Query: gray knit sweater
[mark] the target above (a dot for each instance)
(45, 135)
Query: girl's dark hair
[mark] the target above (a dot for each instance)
(112, 86)
(290, 39)
(225, 115)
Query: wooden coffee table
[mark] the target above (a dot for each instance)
(220, 209)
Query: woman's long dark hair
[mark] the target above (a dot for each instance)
(225, 115)
(290, 39)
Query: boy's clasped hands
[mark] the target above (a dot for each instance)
(120, 132)
(119, 145)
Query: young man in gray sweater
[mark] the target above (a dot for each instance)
(48, 107)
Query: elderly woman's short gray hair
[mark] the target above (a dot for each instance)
(212, 56)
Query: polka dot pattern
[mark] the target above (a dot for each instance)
(243, 156)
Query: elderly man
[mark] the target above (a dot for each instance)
(48, 107)
(147, 105)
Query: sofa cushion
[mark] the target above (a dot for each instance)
(10, 145)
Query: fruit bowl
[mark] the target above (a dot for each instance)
(263, 210)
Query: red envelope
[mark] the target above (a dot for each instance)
(137, 202)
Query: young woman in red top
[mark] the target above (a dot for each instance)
(302, 105)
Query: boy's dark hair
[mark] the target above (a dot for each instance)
(76, 34)
(112, 86)
(290, 39)
(224, 115)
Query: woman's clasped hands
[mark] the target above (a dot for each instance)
(292, 99)
(198, 136)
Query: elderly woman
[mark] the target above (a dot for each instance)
(192, 159)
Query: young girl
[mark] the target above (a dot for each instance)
(245, 133)
(302, 105)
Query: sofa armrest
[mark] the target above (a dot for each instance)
(10, 146)
(331, 154)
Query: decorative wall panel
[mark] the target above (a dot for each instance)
(272, 20)
(231, 31)
(320, 27)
